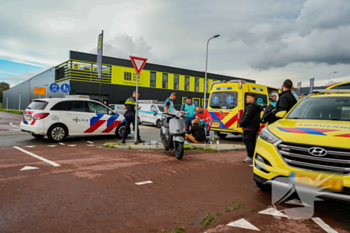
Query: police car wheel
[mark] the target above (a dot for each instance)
(120, 130)
(222, 135)
(159, 123)
(57, 133)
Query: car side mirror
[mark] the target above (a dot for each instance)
(281, 114)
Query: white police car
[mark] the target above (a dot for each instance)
(58, 118)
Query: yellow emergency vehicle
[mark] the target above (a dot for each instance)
(227, 102)
(311, 141)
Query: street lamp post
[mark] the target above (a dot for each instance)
(205, 75)
(329, 76)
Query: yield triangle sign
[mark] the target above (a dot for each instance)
(138, 63)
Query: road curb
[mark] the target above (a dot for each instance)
(204, 147)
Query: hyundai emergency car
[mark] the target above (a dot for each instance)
(58, 118)
(312, 141)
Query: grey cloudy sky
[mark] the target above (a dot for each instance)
(268, 40)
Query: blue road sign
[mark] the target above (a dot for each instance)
(54, 87)
(65, 88)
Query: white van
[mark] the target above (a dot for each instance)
(151, 113)
(118, 108)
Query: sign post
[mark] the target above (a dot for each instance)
(312, 83)
(138, 64)
(65, 88)
(99, 61)
(299, 88)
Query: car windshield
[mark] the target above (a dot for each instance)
(161, 108)
(223, 99)
(322, 108)
(37, 105)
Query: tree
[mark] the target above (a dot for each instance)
(3, 87)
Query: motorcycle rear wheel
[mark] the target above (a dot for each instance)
(179, 150)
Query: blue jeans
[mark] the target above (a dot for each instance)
(188, 122)
(207, 129)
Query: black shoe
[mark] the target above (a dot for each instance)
(140, 140)
(123, 141)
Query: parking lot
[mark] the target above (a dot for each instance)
(78, 186)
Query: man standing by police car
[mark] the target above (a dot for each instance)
(130, 106)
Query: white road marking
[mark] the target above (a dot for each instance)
(61, 143)
(242, 223)
(37, 156)
(144, 182)
(51, 145)
(14, 125)
(273, 212)
(30, 146)
(251, 165)
(71, 145)
(296, 202)
(90, 145)
(324, 225)
(29, 168)
(90, 142)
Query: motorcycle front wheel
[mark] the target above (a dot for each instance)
(179, 150)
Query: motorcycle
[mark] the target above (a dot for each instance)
(172, 133)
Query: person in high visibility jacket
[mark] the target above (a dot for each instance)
(204, 118)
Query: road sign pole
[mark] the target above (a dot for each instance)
(19, 102)
(138, 64)
(137, 97)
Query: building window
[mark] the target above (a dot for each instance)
(196, 84)
(153, 80)
(187, 83)
(176, 81)
(165, 81)
(127, 76)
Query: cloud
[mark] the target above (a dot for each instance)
(27, 63)
(318, 35)
(299, 38)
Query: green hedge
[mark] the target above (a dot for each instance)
(12, 111)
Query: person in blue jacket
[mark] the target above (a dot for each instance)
(189, 109)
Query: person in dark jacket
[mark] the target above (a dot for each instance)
(286, 99)
(250, 123)
(198, 133)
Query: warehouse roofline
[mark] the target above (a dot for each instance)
(149, 66)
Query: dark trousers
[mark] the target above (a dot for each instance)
(130, 118)
(188, 123)
(249, 139)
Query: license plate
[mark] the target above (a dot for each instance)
(215, 124)
(319, 179)
(28, 117)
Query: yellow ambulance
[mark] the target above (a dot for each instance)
(227, 102)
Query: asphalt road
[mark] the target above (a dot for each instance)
(82, 188)
(10, 135)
